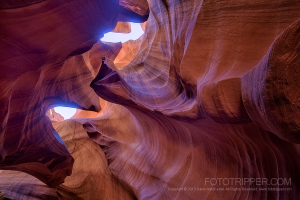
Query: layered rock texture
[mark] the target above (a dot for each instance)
(206, 105)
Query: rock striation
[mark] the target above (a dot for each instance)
(204, 106)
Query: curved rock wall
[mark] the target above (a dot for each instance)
(35, 43)
(208, 103)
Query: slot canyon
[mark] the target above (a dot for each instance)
(204, 105)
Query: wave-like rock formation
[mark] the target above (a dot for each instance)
(206, 106)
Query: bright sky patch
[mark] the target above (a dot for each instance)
(66, 112)
(136, 32)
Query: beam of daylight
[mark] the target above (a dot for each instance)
(136, 32)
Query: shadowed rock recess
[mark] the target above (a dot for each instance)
(205, 105)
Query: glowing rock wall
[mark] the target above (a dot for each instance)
(212, 92)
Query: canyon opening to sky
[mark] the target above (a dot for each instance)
(112, 37)
(195, 99)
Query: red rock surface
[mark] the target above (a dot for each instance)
(36, 42)
(211, 92)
